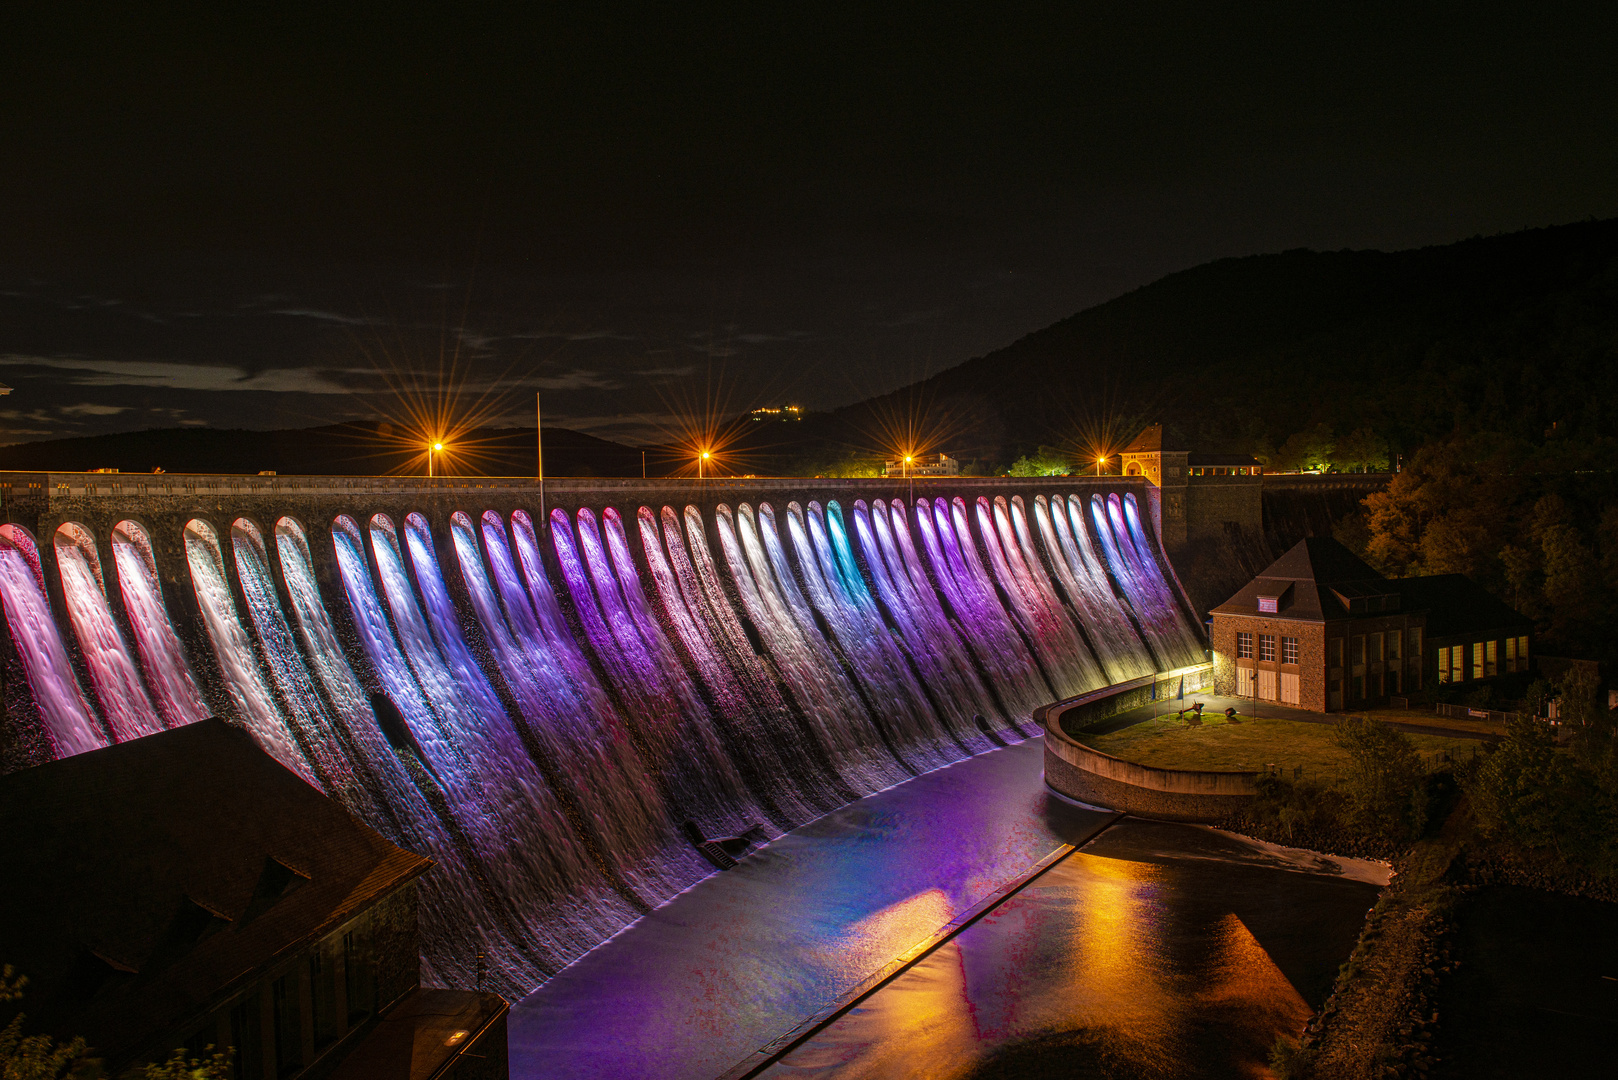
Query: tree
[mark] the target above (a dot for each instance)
(39, 1057)
(1361, 451)
(1386, 783)
(1305, 450)
(1514, 792)
(1046, 461)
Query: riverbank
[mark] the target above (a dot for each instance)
(1437, 974)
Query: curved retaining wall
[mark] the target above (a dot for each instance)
(1083, 773)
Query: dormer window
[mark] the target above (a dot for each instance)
(1272, 595)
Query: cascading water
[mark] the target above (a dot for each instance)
(554, 711)
(69, 723)
(117, 684)
(170, 676)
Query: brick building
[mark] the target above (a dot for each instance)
(186, 890)
(1321, 630)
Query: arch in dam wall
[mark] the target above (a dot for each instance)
(562, 701)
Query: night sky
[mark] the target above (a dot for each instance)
(278, 218)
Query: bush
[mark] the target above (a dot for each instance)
(1386, 784)
(1529, 794)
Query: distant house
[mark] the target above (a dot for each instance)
(923, 465)
(1322, 630)
(185, 889)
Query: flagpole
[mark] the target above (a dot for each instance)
(539, 459)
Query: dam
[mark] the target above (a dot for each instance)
(583, 698)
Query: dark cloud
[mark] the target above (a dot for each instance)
(268, 216)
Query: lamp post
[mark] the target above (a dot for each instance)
(909, 478)
(1100, 461)
(702, 461)
(435, 448)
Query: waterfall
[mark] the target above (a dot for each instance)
(172, 682)
(117, 684)
(71, 726)
(557, 710)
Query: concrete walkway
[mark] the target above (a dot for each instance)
(1218, 703)
(745, 956)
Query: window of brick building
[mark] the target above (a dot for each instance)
(1457, 664)
(1395, 645)
(1443, 665)
(1477, 659)
(1289, 650)
(1266, 647)
(1491, 658)
(1244, 645)
(1522, 653)
(1358, 650)
(1415, 643)
(1378, 644)
(1511, 654)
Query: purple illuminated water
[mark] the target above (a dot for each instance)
(546, 707)
(173, 684)
(117, 684)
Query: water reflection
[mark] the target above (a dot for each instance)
(1112, 965)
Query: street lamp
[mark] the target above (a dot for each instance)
(702, 461)
(1100, 461)
(435, 448)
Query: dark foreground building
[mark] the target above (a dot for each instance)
(1321, 630)
(185, 889)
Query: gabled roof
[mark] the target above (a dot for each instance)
(1303, 579)
(1318, 578)
(1322, 560)
(1147, 442)
(147, 881)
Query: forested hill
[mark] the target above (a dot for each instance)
(1506, 333)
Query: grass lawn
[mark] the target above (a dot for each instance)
(1246, 743)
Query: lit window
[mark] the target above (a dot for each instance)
(1289, 650)
(1522, 653)
(1443, 665)
(1266, 647)
(1477, 659)
(1491, 658)
(1270, 604)
(1457, 664)
(1511, 654)
(1244, 645)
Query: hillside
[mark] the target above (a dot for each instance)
(1507, 333)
